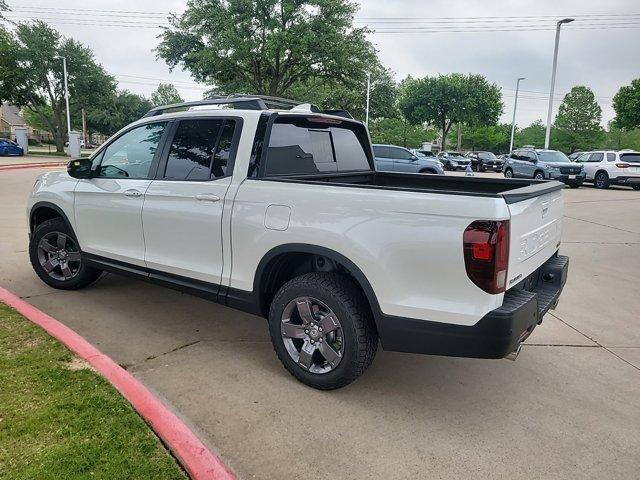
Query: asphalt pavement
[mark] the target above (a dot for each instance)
(568, 407)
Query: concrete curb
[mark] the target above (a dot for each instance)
(198, 461)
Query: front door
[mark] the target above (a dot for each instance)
(182, 213)
(108, 207)
(404, 160)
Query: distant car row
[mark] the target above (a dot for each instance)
(602, 168)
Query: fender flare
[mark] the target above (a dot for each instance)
(350, 266)
(52, 206)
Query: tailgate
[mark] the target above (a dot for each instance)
(536, 225)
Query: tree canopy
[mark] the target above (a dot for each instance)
(397, 131)
(626, 104)
(577, 124)
(531, 135)
(444, 100)
(120, 109)
(268, 46)
(165, 94)
(34, 79)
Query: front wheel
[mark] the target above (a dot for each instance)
(538, 176)
(636, 187)
(322, 330)
(56, 257)
(602, 180)
(508, 173)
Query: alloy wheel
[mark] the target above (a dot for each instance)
(312, 335)
(59, 256)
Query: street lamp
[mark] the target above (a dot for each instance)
(513, 123)
(553, 78)
(366, 122)
(66, 90)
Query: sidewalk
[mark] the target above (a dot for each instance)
(34, 161)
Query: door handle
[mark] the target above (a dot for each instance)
(207, 197)
(132, 193)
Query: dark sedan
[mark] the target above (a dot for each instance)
(10, 148)
(482, 161)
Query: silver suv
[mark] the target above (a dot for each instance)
(543, 165)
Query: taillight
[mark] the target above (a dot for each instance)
(486, 254)
(622, 165)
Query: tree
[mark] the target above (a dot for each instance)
(120, 110)
(626, 104)
(165, 94)
(448, 99)
(36, 81)
(328, 94)
(493, 138)
(618, 139)
(268, 46)
(532, 135)
(397, 131)
(577, 125)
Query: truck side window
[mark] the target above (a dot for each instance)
(300, 145)
(200, 150)
(131, 154)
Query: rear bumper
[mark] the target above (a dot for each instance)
(496, 335)
(625, 180)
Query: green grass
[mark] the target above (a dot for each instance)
(58, 421)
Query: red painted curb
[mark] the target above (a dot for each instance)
(199, 462)
(17, 166)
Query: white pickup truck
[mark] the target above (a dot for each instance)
(280, 213)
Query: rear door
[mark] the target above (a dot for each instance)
(535, 226)
(183, 208)
(383, 158)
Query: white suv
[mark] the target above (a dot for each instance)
(608, 167)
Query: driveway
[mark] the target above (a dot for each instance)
(568, 407)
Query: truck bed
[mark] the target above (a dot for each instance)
(510, 189)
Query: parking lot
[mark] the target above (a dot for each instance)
(568, 407)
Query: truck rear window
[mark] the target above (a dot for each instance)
(299, 145)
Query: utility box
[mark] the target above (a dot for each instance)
(74, 144)
(22, 138)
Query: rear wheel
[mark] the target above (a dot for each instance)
(508, 173)
(57, 259)
(601, 180)
(322, 330)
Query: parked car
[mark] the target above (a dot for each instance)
(482, 161)
(574, 155)
(609, 167)
(283, 215)
(390, 158)
(10, 148)
(543, 165)
(453, 160)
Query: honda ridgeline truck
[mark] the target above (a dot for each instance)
(280, 212)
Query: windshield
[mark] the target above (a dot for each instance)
(487, 156)
(455, 155)
(553, 157)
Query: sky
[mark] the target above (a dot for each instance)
(412, 37)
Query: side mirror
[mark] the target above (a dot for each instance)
(79, 168)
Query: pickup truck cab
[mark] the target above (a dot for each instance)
(543, 164)
(281, 213)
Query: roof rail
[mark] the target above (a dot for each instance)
(236, 101)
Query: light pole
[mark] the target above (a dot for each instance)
(66, 91)
(513, 122)
(553, 79)
(366, 122)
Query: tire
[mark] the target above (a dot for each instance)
(601, 180)
(77, 274)
(538, 175)
(356, 330)
(635, 187)
(428, 171)
(508, 173)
